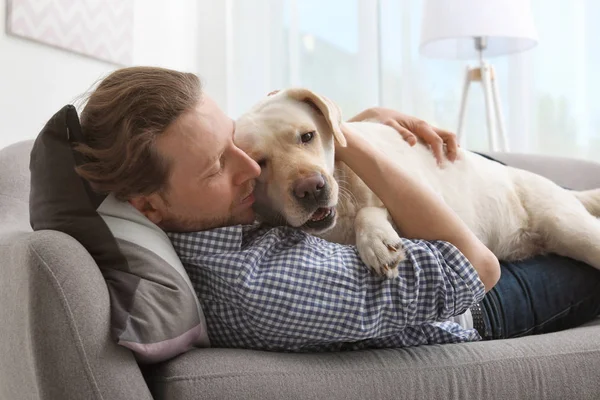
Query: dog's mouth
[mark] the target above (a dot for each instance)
(321, 219)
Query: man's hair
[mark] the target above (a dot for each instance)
(121, 121)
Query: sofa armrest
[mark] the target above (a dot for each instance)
(567, 172)
(55, 312)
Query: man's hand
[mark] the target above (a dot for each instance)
(412, 128)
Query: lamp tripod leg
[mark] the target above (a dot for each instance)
(463, 106)
(486, 82)
(499, 117)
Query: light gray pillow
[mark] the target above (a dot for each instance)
(165, 317)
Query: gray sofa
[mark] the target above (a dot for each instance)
(55, 344)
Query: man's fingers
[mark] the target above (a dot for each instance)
(451, 142)
(434, 140)
(437, 146)
(407, 135)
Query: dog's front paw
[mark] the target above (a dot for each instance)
(381, 250)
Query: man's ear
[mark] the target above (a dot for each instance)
(150, 206)
(324, 106)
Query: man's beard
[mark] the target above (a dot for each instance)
(176, 222)
(180, 223)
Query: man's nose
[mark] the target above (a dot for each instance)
(249, 169)
(309, 190)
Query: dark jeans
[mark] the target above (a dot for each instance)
(540, 295)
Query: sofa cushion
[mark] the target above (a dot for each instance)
(154, 310)
(561, 365)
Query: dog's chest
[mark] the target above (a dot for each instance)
(353, 195)
(342, 232)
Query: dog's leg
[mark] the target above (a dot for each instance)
(574, 234)
(591, 200)
(377, 242)
(564, 224)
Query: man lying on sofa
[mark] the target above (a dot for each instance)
(155, 140)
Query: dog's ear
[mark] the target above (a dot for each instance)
(325, 107)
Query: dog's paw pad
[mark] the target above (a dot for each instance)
(382, 255)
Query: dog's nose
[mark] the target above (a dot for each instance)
(309, 189)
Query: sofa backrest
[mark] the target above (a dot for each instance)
(14, 186)
(55, 311)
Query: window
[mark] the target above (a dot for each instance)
(362, 53)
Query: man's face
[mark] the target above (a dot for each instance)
(211, 180)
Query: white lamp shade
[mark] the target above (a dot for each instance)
(449, 27)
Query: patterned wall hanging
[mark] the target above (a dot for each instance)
(101, 29)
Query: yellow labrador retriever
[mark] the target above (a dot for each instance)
(515, 213)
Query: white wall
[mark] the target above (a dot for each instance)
(37, 80)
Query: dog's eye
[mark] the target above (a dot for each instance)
(307, 137)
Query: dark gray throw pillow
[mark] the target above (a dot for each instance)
(154, 309)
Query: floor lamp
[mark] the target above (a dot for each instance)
(469, 29)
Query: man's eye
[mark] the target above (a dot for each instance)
(262, 163)
(216, 173)
(307, 137)
(221, 167)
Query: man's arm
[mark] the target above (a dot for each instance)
(416, 210)
(291, 288)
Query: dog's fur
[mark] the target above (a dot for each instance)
(515, 213)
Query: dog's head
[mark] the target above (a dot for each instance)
(291, 136)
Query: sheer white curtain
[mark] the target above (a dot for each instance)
(362, 53)
(328, 46)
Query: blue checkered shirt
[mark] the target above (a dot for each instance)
(281, 289)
